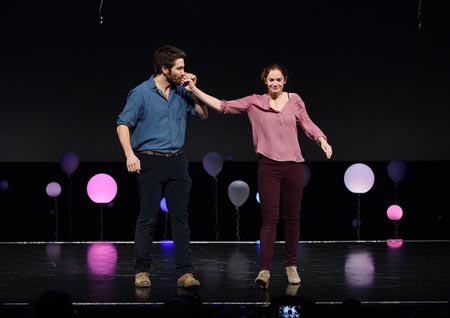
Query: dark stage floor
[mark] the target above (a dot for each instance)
(410, 280)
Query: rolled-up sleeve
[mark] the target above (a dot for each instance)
(132, 111)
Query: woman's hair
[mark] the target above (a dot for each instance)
(166, 56)
(273, 66)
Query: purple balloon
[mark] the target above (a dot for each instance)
(306, 175)
(396, 170)
(212, 163)
(69, 162)
(53, 189)
(4, 185)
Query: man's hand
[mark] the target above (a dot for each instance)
(133, 164)
(188, 81)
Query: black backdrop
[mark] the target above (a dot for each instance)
(374, 74)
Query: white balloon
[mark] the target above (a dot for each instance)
(238, 192)
(359, 178)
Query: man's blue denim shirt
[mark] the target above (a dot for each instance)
(156, 123)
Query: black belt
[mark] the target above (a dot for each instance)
(161, 154)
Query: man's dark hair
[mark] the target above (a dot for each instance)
(166, 56)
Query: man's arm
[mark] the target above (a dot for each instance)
(133, 163)
(201, 109)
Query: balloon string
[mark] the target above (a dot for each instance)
(358, 223)
(396, 193)
(101, 221)
(419, 12)
(216, 209)
(100, 12)
(56, 220)
(237, 224)
(70, 207)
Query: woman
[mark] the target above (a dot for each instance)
(274, 117)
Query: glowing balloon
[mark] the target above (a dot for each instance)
(69, 162)
(359, 178)
(212, 163)
(4, 185)
(163, 205)
(238, 192)
(394, 243)
(359, 269)
(307, 175)
(53, 189)
(394, 212)
(396, 170)
(102, 188)
(102, 259)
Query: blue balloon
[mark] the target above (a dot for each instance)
(306, 175)
(163, 205)
(396, 170)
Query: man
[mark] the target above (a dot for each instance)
(151, 130)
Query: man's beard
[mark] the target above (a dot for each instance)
(172, 79)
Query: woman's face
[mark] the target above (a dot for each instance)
(275, 81)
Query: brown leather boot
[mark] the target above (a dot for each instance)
(262, 281)
(142, 279)
(187, 280)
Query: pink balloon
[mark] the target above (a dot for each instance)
(102, 259)
(394, 243)
(102, 188)
(394, 212)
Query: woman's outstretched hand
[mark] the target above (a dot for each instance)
(326, 147)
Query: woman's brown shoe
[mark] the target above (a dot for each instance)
(142, 279)
(262, 281)
(187, 280)
(292, 275)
